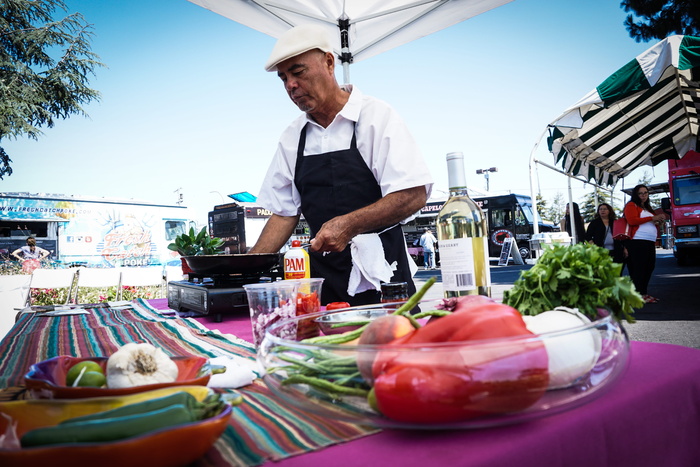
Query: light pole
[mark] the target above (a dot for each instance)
(223, 200)
(180, 198)
(486, 174)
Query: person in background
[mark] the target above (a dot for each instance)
(30, 255)
(348, 164)
(30, 251)
(580, 227)
(641, 248)
(599, 232)
(428, 241)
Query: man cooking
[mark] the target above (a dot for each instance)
(350, 165)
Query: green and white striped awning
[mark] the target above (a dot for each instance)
(644, 113)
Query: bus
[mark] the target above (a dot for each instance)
(506, 216)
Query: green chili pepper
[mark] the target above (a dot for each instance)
(184, 398)
(109, 429)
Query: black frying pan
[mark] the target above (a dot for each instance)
(233, 264)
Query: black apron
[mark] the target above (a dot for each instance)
(330, 185)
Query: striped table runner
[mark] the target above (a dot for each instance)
(262, 428)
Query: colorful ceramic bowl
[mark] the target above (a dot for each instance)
(47, 379)
(168, 447)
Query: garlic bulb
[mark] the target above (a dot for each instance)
(138, 364)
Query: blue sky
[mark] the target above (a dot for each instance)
(187, 105)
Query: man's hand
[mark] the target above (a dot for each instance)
(335, 235)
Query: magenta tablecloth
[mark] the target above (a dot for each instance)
(651, 417)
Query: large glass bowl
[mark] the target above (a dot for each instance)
(499, 381)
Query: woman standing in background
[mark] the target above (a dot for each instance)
(599, 232)
(641, 248)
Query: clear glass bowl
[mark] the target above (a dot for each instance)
(482, 383)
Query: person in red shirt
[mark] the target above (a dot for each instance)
(641, 248)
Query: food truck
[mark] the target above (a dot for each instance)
(684, 206)
(95, 232)
(240, 222)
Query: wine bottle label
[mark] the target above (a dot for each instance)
(457, 263)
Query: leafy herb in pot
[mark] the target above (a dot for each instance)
(581, 276)
(196, 244)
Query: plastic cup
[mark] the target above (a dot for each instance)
(271, 302)
(308, 301)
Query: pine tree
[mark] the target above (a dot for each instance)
(588, 204)
(658, 19)
(44, 69)
(556, 211)
(541, 206)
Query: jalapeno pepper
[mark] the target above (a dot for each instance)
(109, 429)
(454, 383)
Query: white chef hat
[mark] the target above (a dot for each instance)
(296, 41)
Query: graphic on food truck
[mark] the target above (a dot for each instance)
(95, 232)
(127, 241)
(499, 236)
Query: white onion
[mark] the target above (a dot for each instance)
(571, 355)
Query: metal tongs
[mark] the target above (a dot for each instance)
(307, 245)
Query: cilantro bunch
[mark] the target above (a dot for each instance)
(581, 276)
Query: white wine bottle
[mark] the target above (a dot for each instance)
(462, 237)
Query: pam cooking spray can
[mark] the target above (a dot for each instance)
(296, 262)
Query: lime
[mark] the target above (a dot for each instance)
(93, 379)
(75, 370)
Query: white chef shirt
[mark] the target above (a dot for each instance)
(383, 140)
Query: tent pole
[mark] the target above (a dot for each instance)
(533, 197)
(345, 55)
(571, 214)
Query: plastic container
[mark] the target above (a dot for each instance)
(308, 302)
(269, 303)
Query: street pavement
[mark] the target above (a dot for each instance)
(674, 320)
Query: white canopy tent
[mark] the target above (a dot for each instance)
(644, 113)
(360, 28)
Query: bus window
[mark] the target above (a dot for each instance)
(520, 218)
(173, 229)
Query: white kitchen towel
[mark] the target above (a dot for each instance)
(412, 266)
(369, 267)
(239, 372)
